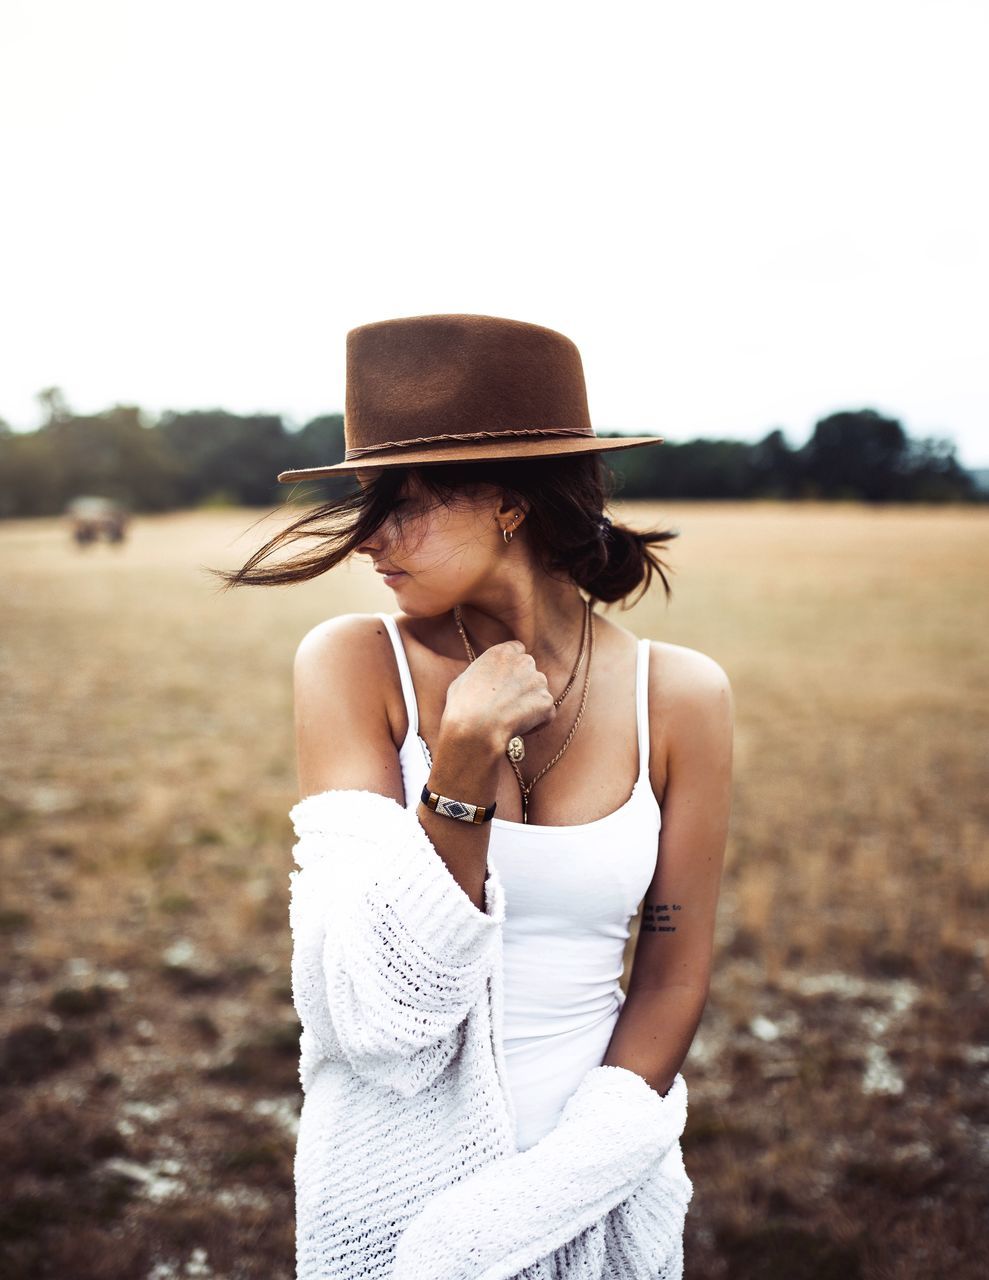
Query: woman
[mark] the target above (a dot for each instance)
(480, 499)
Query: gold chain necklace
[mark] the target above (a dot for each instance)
(573, 675)
(516, 747)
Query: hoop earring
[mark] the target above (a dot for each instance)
(509, 533)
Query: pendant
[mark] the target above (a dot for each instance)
(516, 749)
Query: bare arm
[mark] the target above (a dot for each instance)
(464, 768)
(372, 883)
(671, 973)
(344, 740)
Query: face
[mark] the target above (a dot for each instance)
(441, 553)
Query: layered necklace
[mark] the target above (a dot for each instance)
(516, 746)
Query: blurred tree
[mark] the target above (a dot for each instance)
(772, 467)
(217, 457)
(222, 453)
(856, 454)
(319, 443)
(115, 455)
(695, 469)
(27, 482)
(53, 405)
(935, 474)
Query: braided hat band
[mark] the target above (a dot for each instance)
(350, 454)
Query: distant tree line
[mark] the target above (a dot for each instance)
(212, 457)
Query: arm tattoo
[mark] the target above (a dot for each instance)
(656, 917)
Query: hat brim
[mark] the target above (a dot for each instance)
(483, 451)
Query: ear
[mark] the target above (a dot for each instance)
(511, 507)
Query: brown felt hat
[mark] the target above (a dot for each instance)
(462, 388)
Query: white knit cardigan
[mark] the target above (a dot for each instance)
(406, 1163)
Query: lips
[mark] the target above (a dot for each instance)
(387, 572)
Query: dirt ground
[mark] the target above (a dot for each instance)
(838, 1106)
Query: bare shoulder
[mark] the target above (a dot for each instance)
(348, 654)
(691, 708)
(346, 644)
(344, 705)
(679, 675)
(343, 638)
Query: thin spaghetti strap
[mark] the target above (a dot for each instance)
(642, 704)
(405, 674)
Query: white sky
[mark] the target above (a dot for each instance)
(746, 213)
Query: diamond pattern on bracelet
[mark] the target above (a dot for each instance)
(456, 809)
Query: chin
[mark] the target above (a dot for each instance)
(427, 610)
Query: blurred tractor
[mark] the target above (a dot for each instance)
(93, 519)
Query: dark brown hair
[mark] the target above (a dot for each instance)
(566, 527)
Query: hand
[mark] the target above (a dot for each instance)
(500, 694)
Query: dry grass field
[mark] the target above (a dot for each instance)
(838, 1104)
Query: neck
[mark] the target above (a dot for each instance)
(547, 617)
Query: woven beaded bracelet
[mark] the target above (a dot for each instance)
(460, 809)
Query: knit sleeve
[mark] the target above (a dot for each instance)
(603, 1193)
(389, 953)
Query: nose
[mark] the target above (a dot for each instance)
(371, 546)
(375, 542)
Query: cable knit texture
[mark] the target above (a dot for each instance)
(406, 1164)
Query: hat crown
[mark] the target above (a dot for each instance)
(430, 379)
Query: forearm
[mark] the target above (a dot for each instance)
(654, 1032)
(465, 767)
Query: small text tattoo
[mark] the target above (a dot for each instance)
(656, 917)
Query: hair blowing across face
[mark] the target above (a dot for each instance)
(564, 497)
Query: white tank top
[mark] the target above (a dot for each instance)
(570, 895)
